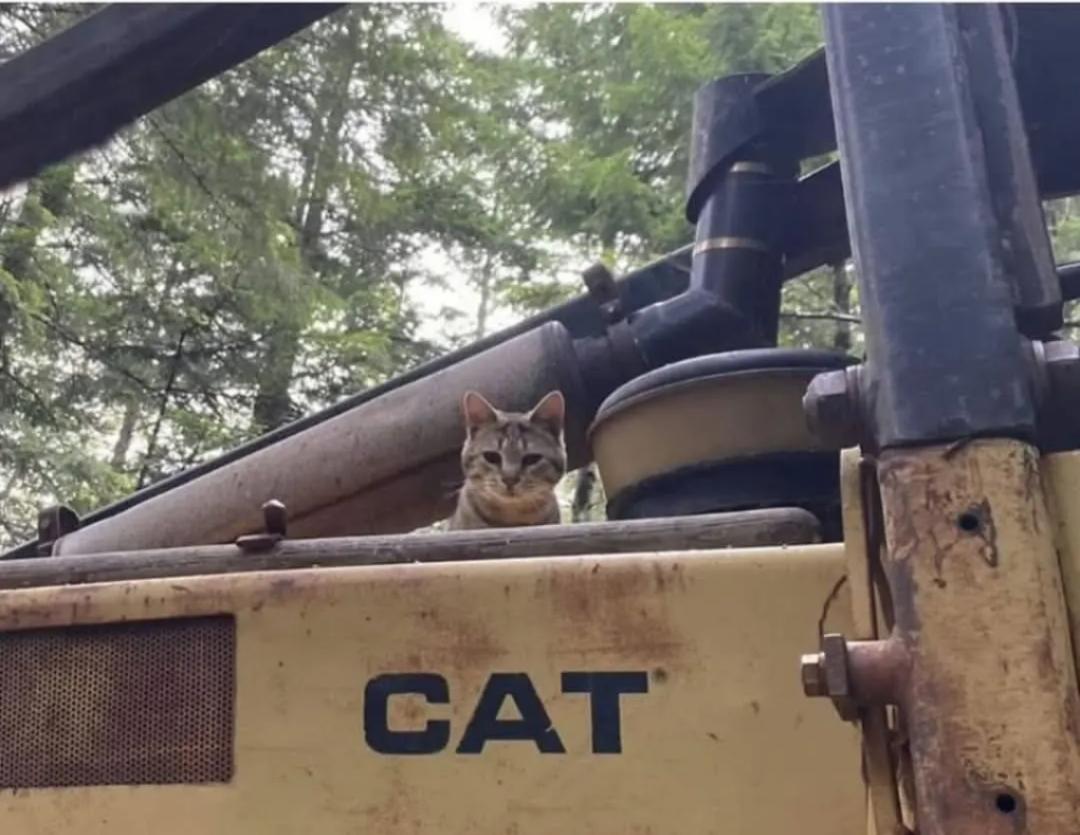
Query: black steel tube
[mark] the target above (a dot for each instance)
(944, 356)
(738, 191)
(79, 87)
(738, 251)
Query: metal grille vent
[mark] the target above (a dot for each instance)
(149, 702)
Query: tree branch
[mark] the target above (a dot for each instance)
(825, 317)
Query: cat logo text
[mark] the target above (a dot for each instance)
(601, 694)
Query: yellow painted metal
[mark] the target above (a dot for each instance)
(883, 799)
(1061, 483)
(723, 742)
(705, 419)
(855, 545)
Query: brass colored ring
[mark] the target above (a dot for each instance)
(731, 243)
(750, 168)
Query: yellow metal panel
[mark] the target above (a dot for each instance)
(722, 742)
(1061, 483)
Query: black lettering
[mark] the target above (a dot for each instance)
(377, 732)
(604, 690)
(534, 724)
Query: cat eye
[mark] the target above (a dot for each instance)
(530, 459)
(493, 458)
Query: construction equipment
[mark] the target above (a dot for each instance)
(256, 646)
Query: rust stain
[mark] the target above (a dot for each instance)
(987, 662)
(658, 575)
(619, 609)
(396, 810)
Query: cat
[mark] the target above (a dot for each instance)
(512, 462)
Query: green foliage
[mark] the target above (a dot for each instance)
(264, 245)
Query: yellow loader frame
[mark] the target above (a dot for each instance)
(464, 697)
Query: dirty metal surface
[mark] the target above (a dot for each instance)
(630, 694)
(991, 693)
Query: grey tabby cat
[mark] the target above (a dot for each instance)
(512, 462)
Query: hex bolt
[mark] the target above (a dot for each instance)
(855, 674)
(831, 406)
(826, 673)
(1057, 382)
(813, 674)
(1062, 363)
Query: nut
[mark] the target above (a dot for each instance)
(1063, 370)
(1058, 381)
(831, 405)
(826, 673)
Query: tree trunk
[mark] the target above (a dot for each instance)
(163, 407)
(273, 404)
(483, 310)
(127, 432)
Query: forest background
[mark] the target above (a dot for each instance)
(385, 186)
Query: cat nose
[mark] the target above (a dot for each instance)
(510, 479)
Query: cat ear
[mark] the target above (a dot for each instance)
(477, 410)
(550, 412)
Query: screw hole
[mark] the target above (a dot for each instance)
(1005, 803)
(969, 522)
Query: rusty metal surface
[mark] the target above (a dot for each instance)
(862, 548)
(991, 704)
(138, 703)
(721, 742)
(387, 465)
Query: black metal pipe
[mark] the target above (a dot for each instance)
(738, 190)
(79, 87)
(944, 358)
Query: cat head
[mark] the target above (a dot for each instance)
(513, 456)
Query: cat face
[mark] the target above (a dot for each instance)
(513, 456)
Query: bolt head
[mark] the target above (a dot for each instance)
(1063, 368)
